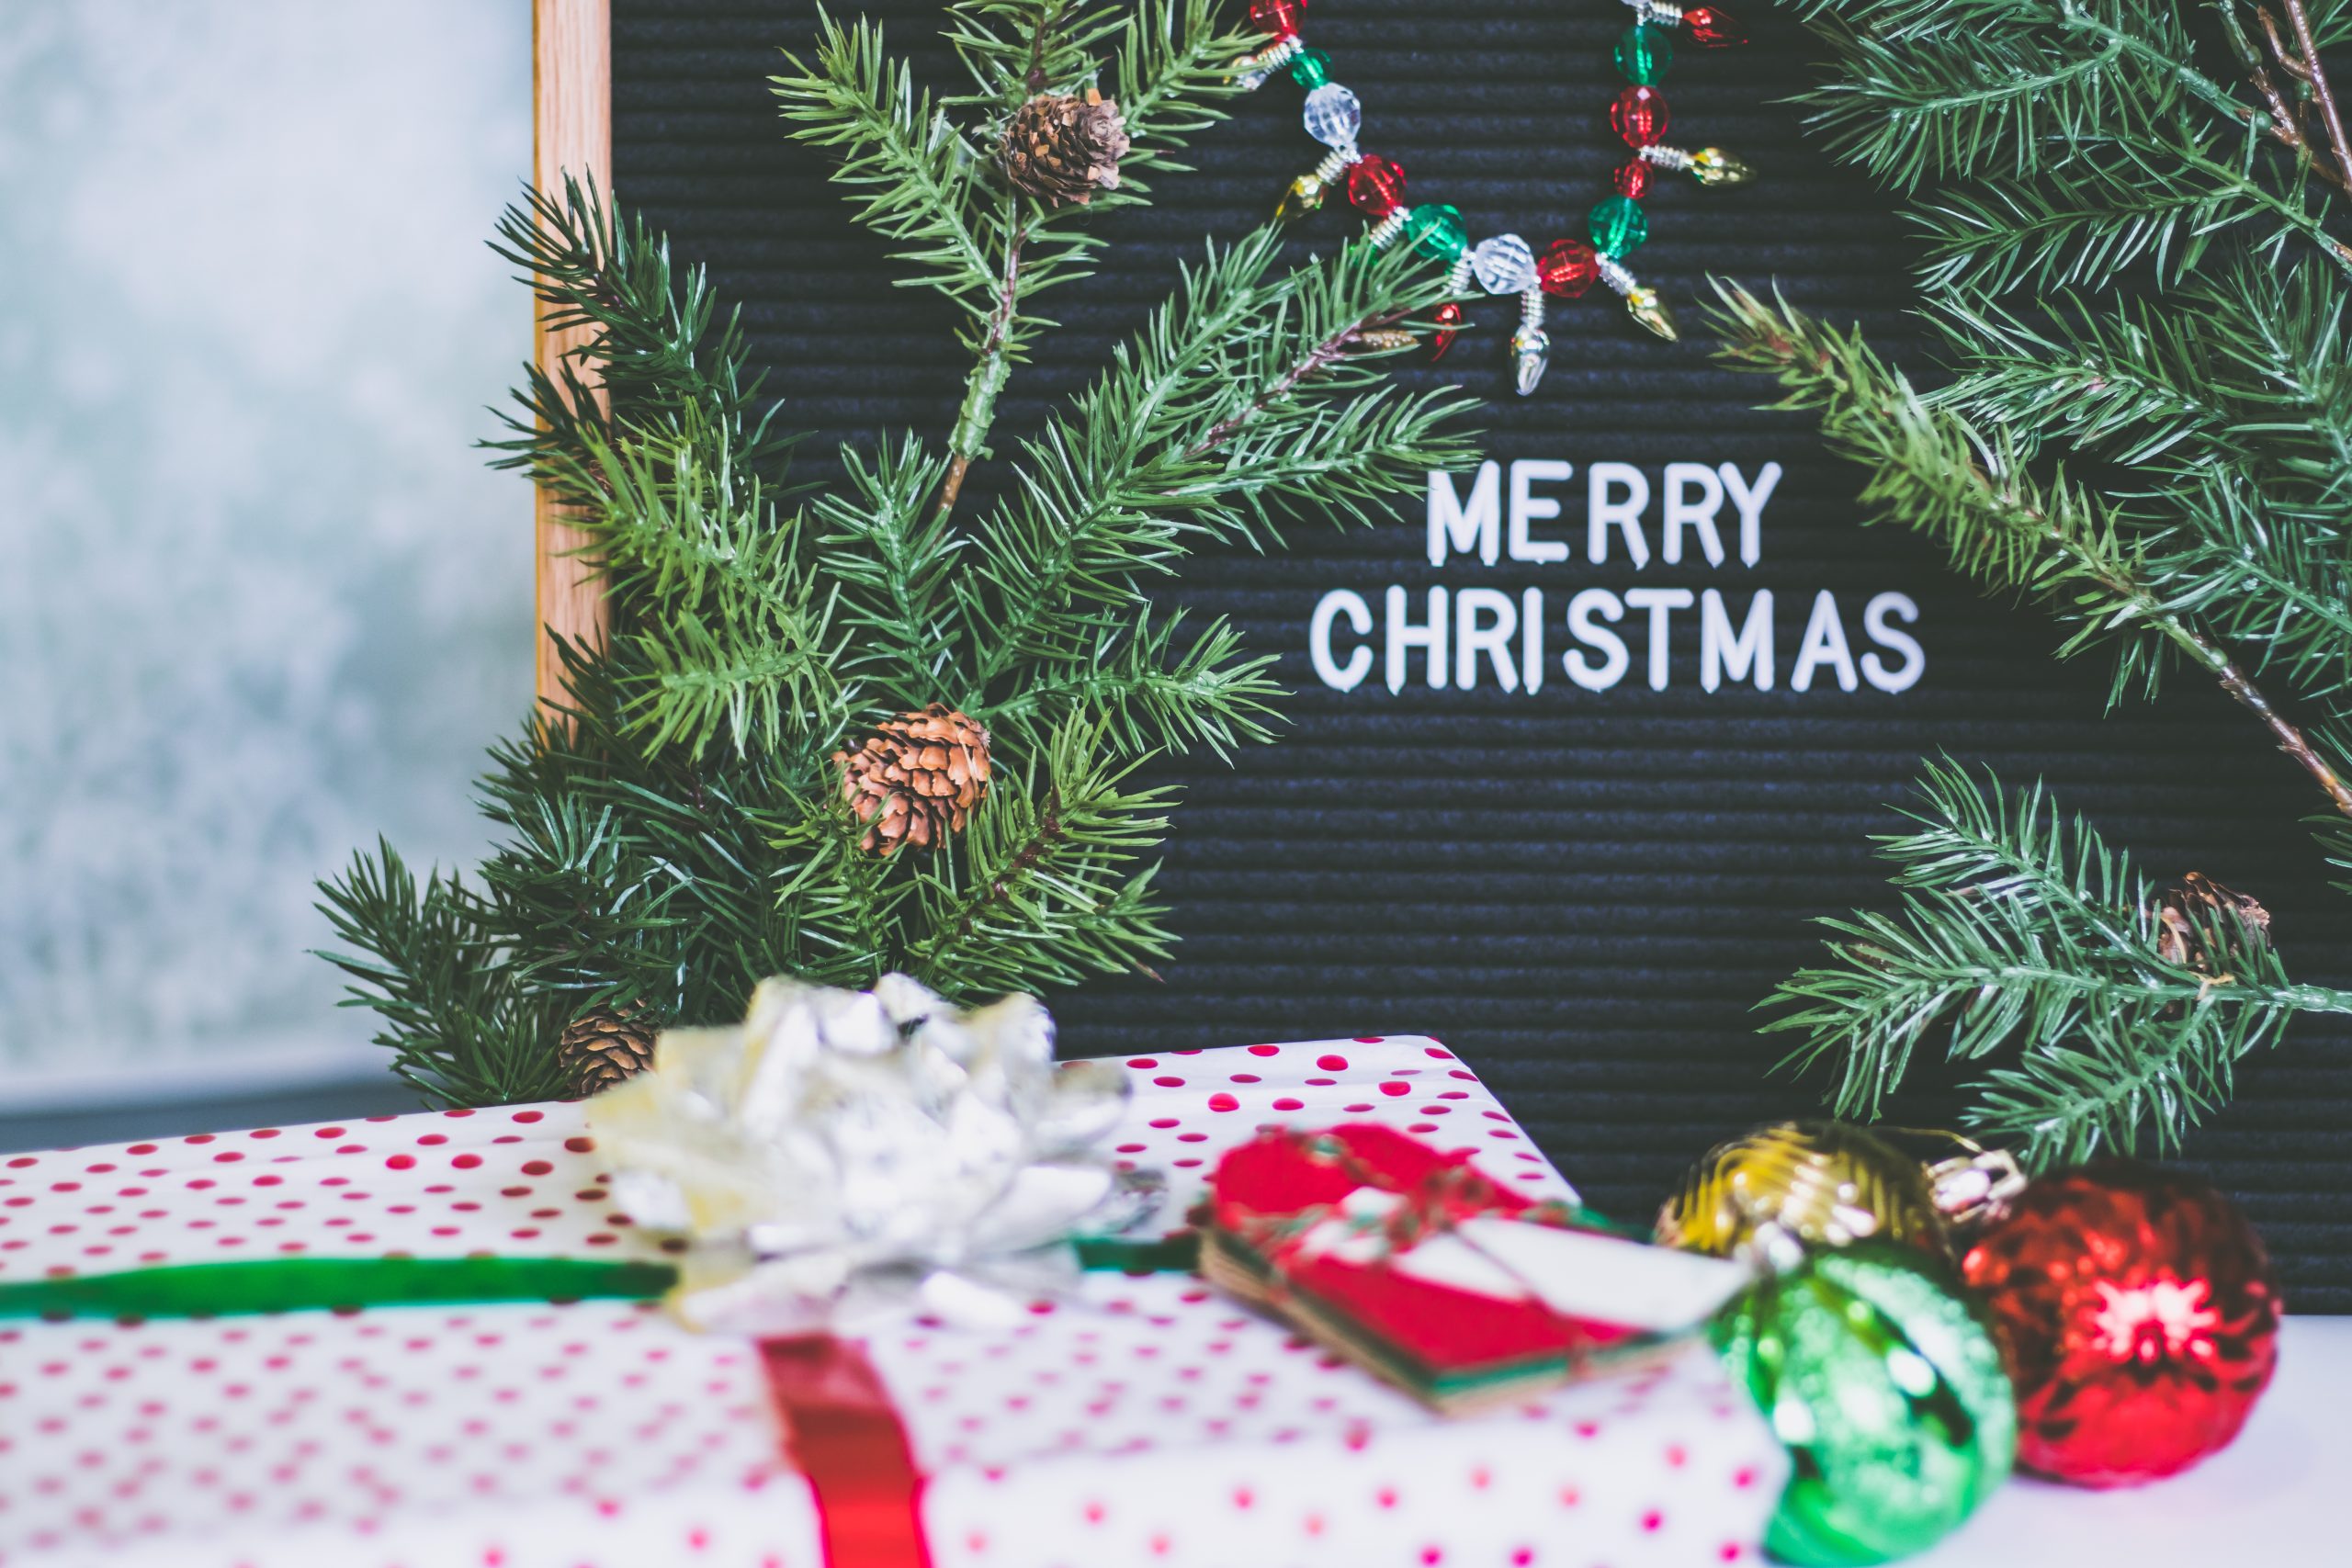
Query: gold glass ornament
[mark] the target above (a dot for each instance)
(1830, 1184)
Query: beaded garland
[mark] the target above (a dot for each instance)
(1505, 264)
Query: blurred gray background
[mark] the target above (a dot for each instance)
(259, 599)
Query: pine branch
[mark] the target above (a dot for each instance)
(734, 639)
(1041, 891)
(461, 1030)
(1932, 469)
(918, 180)
(652, 334)
(1146, 696)
(1241, 395)
(2020, 933)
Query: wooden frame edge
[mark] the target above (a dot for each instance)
(571, 134)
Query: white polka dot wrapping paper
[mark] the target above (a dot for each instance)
(1143, 1421)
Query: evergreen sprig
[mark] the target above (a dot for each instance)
(2136, 259)
(677, 828)
(2020, 933)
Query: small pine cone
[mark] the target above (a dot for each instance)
(602, 1046)
(1058, 148)
(2200, 905)
(916, 779)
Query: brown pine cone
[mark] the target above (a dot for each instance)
(916, 779)
(2186, 913)
(1058, 148)
(602, 1046)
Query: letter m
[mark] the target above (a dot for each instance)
(1478, 525)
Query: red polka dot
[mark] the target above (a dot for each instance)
(1166, 1082)
(1287, 1103)
(467, 1162)
(1265, 1050)
(1333, 1063)
(198, 1138)
(1522, 1557)
(528, 1115)
(1392, 1088)
(400, 1162)
(1385, 1497)
(135, 1149)
(1652, 1521)
(1143, 1061)
(536, 1168)
(1165, 1121)
(1222, 1101)
(580, 1146)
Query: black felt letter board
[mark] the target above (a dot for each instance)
(1584, 892)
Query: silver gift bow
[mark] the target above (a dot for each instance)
(847, 1155)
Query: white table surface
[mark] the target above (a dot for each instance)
(2278, 1497)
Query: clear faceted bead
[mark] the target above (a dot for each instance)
(1332, 116)
(1503, 265)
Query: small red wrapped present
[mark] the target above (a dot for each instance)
(1420, 1267)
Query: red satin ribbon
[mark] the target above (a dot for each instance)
(842, 1432)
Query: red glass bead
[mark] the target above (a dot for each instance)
(1711, 28)
(1639, 116)
(1633, 179)
(1448, 318)
(1279, 18)
(1376, 186)
(1568, 268)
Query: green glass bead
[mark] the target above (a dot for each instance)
(1311, 69)
(1617, 226)
(1643, 53)
(1436, 230)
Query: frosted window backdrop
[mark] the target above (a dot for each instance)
(258, 597)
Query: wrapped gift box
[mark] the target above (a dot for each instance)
(1142, 1420)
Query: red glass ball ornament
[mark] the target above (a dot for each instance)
(1568, 268)
(1376, 186)
(2140, 1317)
(1279, 18)
(1711, 28)
(1448, 318)
(1639, 116)
(1633, 179)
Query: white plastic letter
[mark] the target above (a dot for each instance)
(1824, 643)
(1478, 526)
(1750, 499)
(1492, 636)
(1604, 512)
(1403, 635)
(1661, 602)
(1614, 658)
(1904, 676)
(1530, 639)
(1340, 601)
(1699, 516)
(1526, 508)
(1749, 654)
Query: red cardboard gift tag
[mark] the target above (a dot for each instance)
(1416, 1264)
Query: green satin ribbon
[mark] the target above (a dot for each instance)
(333, 1284)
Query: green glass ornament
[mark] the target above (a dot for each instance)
(1642, 55)
(1888, 1391)
(1617, 225)
(1311, 69)
(1436, 230)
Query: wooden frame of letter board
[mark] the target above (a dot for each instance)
(571, 134)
